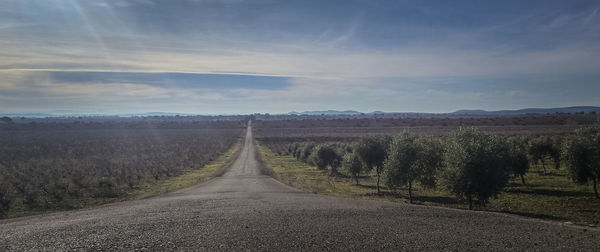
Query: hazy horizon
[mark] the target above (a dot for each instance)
(68, 113)
(243, 57)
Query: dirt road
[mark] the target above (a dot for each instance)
(244, 210)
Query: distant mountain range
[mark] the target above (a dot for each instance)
(156, 114)
(570, 110)
(326, 112)
(470, 112)
(60, 114)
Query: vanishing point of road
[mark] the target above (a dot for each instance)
(244, 210)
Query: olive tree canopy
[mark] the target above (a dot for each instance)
(476, 165)
(412, 159)
(372, 150)
(581, 154)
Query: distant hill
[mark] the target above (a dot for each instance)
(569, 110)
(336, 113)
(56, 114)
(30, 115)
(470, 112)
(326, 112)
(156, 114)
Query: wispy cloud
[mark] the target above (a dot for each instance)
(357, 55)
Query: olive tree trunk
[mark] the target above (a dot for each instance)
(544, 166)
(470, 198)
(378, 178)
(595, 181)
(410, 192)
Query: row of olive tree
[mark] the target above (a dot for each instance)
(470, 164)
(368, 154)
(473, 165)
(320, 155)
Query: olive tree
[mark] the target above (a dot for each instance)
(324, 155)
(475, 165)
(372, 151)
(519, 162)
(412, 159)
(305, 151)
(581, 154)
(544, 147)
(6, 196)
(353, 165)
(297, 151)
(292, 149)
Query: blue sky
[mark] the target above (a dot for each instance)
(237, 56)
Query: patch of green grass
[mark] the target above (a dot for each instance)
(308, 178)
(148, 189)
(551, 196)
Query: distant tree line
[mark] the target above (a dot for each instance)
(473, 165)
(399, 120)
(14, 124)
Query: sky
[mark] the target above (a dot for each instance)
(267, 56)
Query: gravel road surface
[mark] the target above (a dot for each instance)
(244, 210)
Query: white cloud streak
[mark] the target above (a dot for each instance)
(346, 77)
